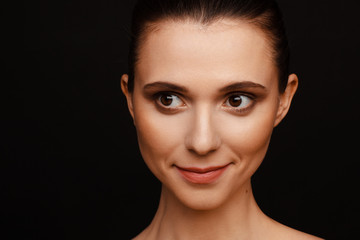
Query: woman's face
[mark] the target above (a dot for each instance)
(204, 104)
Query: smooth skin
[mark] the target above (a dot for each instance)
(208, 96)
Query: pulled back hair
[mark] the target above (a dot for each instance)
(263, 14)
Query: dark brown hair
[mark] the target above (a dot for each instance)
(264, 14)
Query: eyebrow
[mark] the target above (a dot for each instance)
(173, 87)
(241, 85)
(166, 86)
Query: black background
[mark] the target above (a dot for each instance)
(71, 168)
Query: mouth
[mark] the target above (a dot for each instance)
(202, 175)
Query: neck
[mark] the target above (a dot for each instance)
(238, 218)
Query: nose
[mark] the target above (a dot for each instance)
(202, 137)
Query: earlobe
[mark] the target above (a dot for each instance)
(128, 95)
(286, 98)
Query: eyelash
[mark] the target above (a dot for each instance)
(251, 97)
(163, 108)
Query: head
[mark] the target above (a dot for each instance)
(208, 81)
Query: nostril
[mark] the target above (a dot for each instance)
(203, 146)
(201, 153)
(202, 138)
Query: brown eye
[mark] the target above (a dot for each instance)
(235, 101)
(239, 101)
(170, 100)
(166, 100)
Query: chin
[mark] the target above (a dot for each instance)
(203, 204)
(205, 197)
(201, 198)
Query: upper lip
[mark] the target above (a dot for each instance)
(202, 170)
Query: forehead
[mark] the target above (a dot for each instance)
(186, 51)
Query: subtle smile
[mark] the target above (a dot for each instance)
(202, 175)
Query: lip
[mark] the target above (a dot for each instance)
(202, 175)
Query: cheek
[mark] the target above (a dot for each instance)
(159, 136)
(248, 137)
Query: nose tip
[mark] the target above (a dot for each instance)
(203, 148)
(202, 139)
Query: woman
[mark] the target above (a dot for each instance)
(208, 81)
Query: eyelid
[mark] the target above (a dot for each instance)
(244, 110)
(165, 109)
(157, 95)
(247, 94)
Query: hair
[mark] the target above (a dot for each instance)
(264, 14)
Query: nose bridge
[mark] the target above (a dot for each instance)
(202, 137)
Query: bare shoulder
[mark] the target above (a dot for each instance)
(287, 233)
(145, 234)
(141, 236)
(298, 235)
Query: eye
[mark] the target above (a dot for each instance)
(170, 100)
(239, 102)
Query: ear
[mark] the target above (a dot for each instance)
(128, 95)
(286, 97)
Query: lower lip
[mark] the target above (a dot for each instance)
(202, 178)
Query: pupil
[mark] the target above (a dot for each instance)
(166, 100)
(235, 101)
